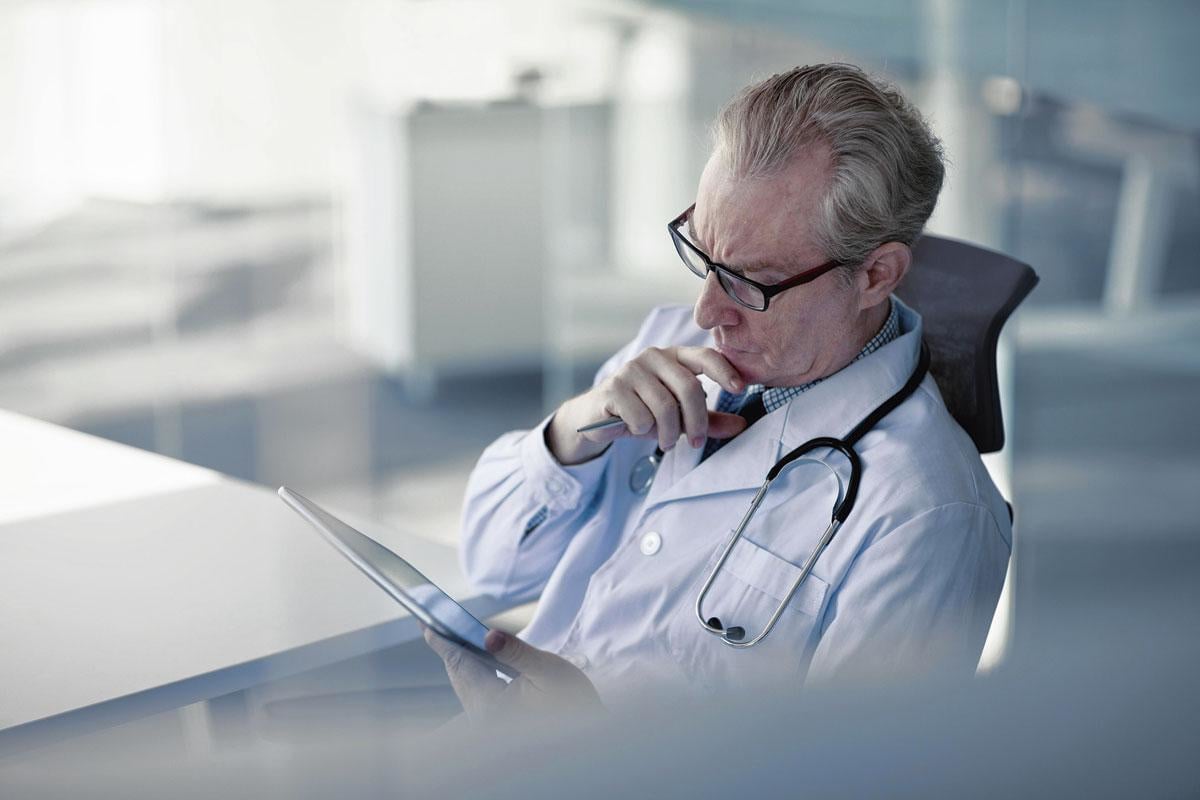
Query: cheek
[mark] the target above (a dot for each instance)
(785, 340)
(797, 335)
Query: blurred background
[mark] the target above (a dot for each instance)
(344, 245)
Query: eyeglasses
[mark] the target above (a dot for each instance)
(745, 292)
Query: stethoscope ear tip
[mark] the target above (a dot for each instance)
(733, 634)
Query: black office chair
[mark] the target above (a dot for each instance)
(965, 294)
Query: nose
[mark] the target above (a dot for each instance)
(714, 307)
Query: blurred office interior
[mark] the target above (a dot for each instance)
(345, 245)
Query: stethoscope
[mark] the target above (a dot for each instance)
(643, 471)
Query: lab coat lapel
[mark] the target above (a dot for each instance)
(740, 464)
(831, 408)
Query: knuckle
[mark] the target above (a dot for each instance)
(657, 360)
(665, 408)
(648, 355)
(638, 421)
(660, 394)
(685, 379)
(667, 415)
(634, 372)
(453, 659)
(668, 425)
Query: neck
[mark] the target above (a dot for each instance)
(870, 321)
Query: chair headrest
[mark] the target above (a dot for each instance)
(965, 294)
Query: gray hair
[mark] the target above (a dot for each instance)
(886, 164)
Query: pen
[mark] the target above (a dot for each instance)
(611, 422)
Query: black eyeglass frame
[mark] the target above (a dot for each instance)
(725, 273)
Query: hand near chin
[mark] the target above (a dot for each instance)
(656, 394)
(547, 685)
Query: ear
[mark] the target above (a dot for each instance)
(881, 273)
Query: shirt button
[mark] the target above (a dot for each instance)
(556, 486)
(651, 543)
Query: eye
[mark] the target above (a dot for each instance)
(768, 274)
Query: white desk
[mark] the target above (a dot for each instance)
(132, 584)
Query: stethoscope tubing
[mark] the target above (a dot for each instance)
(840, 512)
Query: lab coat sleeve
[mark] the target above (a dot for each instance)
(522, 507)
(920, 597)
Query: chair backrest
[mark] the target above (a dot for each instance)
(965, 294)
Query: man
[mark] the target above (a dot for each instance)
(819, 183)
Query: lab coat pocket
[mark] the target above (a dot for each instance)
(746, 593)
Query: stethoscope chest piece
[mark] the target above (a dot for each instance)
(643, 472)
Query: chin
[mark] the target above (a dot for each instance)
(749, 367)
(762, 373)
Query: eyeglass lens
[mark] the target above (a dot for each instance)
(744, 293)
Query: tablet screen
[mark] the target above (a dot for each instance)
(393, 574)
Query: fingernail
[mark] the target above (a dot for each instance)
(495, 641)
(697, 441)
(737, 385)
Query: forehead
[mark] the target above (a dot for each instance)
(755, 222)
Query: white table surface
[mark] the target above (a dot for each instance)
(131, 584)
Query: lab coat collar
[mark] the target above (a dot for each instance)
(831, 408)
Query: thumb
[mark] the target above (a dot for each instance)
(529, 660)
(725, 426)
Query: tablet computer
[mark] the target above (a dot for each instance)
(423, 599)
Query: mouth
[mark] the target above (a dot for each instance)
(742, 360)
(727, 350)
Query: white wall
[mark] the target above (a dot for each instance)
(78, 90)
(233, 100)
(252, 97)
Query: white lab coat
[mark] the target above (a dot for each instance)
(911, 580)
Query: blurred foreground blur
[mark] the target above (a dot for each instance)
(1073, 716)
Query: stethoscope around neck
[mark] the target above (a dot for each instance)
(734, 636)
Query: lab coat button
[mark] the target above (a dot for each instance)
(651, 543)
(557, 487)
(580, 661)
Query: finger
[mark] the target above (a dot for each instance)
(706, 361)
(545, 677)
(533, 664)
(474, 682)
(459, 662)
(662, 404)
(624, 402)
(725, 426)
(689, 395)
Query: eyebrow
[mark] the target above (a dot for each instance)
(756, 266)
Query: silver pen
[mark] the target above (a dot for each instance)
(611, 422)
